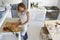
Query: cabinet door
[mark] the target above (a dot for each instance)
(40, 15)
(37, 15)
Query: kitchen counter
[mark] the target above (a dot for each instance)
(55, 33)
(4, 15)
(2, 8)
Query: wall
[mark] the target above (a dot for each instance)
(47, 2)
(12, 1)
(25, 2)
(58, 4)
(51, 2)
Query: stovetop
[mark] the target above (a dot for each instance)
(52, 8)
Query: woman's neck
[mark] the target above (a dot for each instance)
(22, 11)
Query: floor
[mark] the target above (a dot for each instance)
(34, 30)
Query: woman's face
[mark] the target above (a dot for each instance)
(21, 9)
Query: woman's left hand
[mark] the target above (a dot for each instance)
(24, 25)
(21, 25)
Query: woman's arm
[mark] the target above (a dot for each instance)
(28, 18)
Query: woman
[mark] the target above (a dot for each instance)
(24, 18)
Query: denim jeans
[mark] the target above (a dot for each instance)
(25, 37)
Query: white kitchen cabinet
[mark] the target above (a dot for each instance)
(40, 15)
(9, 36)
(37, 14)
(0, 36)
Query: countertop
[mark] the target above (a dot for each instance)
(2, 8)
(53, 32)
(4, 17)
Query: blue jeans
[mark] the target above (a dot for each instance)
(25, 37)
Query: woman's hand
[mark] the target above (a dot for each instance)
(21, 25)
(19, 22)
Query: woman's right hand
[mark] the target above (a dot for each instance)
(19, 22)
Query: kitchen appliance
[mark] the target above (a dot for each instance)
(52, 12)
(14, 10)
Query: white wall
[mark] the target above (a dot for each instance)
(12, 1)
(25, 2)
(50, 2)
(58, 4)
(47, 2)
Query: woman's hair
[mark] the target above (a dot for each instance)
(21, 5)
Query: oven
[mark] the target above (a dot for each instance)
(52, 13)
